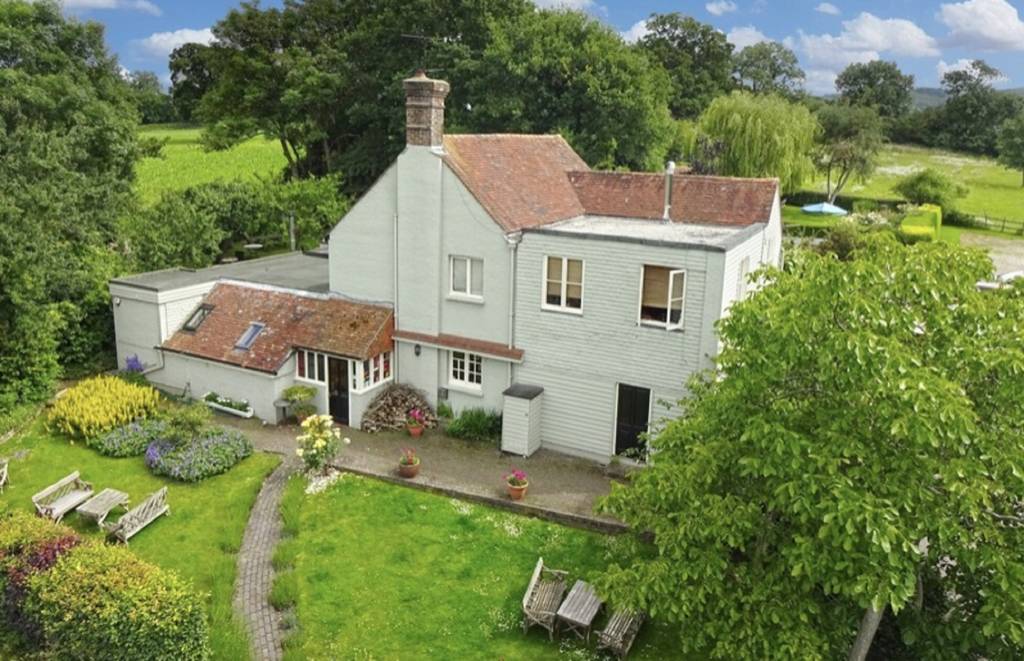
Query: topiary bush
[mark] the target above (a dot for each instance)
(102, 602)
(213, 451)
(476, 425)
(100, 404)
(130, 440)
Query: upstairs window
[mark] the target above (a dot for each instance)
(467, 369)
(467, 277)
(563, 284)
(249, 336)
(198, 317)
(661, 297)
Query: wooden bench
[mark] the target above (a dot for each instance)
(137, 518)
(543, 597)
(620, 632)
(58, 499)
(3, 473)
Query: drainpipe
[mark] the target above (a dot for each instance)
(670, 169)
(513, 241)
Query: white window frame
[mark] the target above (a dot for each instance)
(673, 273)
(198, 316)
(564, 307)
(464, 380)
(468, 294)
(319, 360)
(358, 383)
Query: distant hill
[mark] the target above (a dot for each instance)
(929, 97)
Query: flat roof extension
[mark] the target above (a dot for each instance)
(295, 270)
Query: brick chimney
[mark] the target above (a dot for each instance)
(424, 110)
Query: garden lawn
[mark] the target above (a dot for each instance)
(199, 540)
(185, 163)
(384, 571)
(994, 191)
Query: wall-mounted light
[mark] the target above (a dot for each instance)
(117, 300)
(417, 349)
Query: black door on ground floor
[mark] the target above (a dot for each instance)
(337, 389)
(634, 409)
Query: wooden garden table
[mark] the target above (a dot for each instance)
(579, 609)
(100, 505)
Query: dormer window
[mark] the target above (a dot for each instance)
(249, 336)
(198, 317)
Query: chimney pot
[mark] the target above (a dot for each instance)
(424, 110)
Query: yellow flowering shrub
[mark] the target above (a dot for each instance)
(100, 404)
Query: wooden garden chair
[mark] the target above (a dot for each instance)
(140, 516)
(58, 499)
(620, 632)
(543, 597)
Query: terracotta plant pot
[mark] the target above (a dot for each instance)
(416, 431)
(409, 470)
(517, 493)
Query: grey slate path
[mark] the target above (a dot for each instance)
(255, 572)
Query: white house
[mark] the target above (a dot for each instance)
(493, 271)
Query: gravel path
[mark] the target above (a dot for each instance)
(255, 572)
(1007, 254)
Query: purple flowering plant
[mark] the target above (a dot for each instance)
(517, 478)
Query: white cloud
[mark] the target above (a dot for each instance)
(138, 5)
(742, 37)
(719, 7)
(637, 32)
(986, 24)
(828, 8)
(564, 4)
(862, 39)
(943, 67)
(160, 44)
(820, 81)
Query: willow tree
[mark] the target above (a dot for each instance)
(850, 479)
(763, 136)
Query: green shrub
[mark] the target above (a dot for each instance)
(929, 186)
(444, 410)
(298, 394)
(476, 425)
(130, 440)
(922, 223)
(100, 404)
(102, 602)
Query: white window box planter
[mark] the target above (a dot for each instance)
(247, 413)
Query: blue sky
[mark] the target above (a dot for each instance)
(924, 37)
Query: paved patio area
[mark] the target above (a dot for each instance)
(562, 488)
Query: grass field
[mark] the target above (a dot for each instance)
(185, 163)
(388, 572)
(995, 191)
(199, 540)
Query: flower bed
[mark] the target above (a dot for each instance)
(213, 452)
(130, 440)
(228, 405)
(100, 404)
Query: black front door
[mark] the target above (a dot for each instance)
(337, 389)
(633, 416)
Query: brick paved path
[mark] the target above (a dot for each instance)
(255, 573)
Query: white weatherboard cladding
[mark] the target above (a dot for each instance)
(756, 249)
(521, 425)
(361, 246)
(580, 359)
(177, 312)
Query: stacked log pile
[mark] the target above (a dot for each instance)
(390, 409)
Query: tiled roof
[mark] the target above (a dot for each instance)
(291, 319)
(695, 198)
(519, 179)
(485, 347)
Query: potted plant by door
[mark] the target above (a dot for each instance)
(300, 401)
(408, 463)
(415, 422)
(517, 483)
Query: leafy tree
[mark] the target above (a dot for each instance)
(1010, 142)
(929, 186)
(877, 84)
(921, 127)
(67, 150)
(559, 71)
(763, 136)
(191, 78)
(974, 110)
(852, 465)
(153, 104)
(697, 57)
(851, 140)
(767, 67)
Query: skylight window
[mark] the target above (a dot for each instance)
(198, 317)
(249, 336)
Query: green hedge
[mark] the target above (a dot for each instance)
(923, 221)
(102, 602)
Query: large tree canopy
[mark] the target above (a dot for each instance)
(697, 57)
(858, 451)
(1010, 143)
(767, 67)
(67, 149)
(975, 110)
(851, 139)
(877, 84)
(761, 136)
